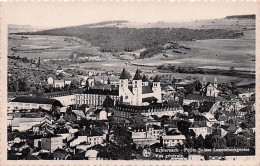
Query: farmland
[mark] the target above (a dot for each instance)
(207, 53)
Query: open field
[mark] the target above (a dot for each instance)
(53, 47)
(211, 53)
(220, 53)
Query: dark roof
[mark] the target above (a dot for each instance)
(38, 100)
(137, 75)
(104, 90)
(147, 89)
(199, 124)
(124, 74)
(149, 99)
(145, 79)
(232, 128)
(18, 145)
(156, 79)
(63, 131)
(199, 97)
(13, 135)
(64, 93)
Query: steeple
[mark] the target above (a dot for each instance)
(145, 81)
(156, 79)
(124, 74)
(204, 82)
(137, 75)
(108, 81)
(215, 82)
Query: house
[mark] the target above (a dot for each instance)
(30, 102)
(200, 128)
(25, 123)
(101, 114)
(154, 131)
(18, 147)
(210, 119)
(173, 140)
(197, 98)
(52, 143)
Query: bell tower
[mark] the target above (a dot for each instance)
(123, 83)
(157, 88)
(137, 88)
(215, 82)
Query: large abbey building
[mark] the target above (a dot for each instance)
(139, 92)
(209, 88)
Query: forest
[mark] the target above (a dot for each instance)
(114, 39)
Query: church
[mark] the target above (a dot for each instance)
(139, 93)
(210, 89)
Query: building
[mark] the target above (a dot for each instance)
(23, 124)
(197, 98)
(98, 96)
(139, 92)
(173, 140)
(200, 128)
(66, 98)
(52, 143)
(124, 112)
(29, 102)
(210, 89)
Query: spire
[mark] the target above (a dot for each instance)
(215, 79)
(108, 81)
(124, 74)
(204, 79)
(156, 79)
(144, 79)
(137, 75)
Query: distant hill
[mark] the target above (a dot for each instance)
(114, 39)
(12, 28)
(249, 16)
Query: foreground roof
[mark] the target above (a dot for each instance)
(37, 100)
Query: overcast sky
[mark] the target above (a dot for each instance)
(57, 14)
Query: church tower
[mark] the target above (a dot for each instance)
(215, 82)
(157, 88)
(123, 83)
(137, 88)
(204, 82)
(145, 81)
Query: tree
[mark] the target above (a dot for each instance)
(218, 142)
(241, 141)
(197, 85)
(199, 143)
(183, 127)
(232, 69)
(120, 145)
(207, 141)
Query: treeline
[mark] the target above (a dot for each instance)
(249, 16)
(194, 70)
(114, 39)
